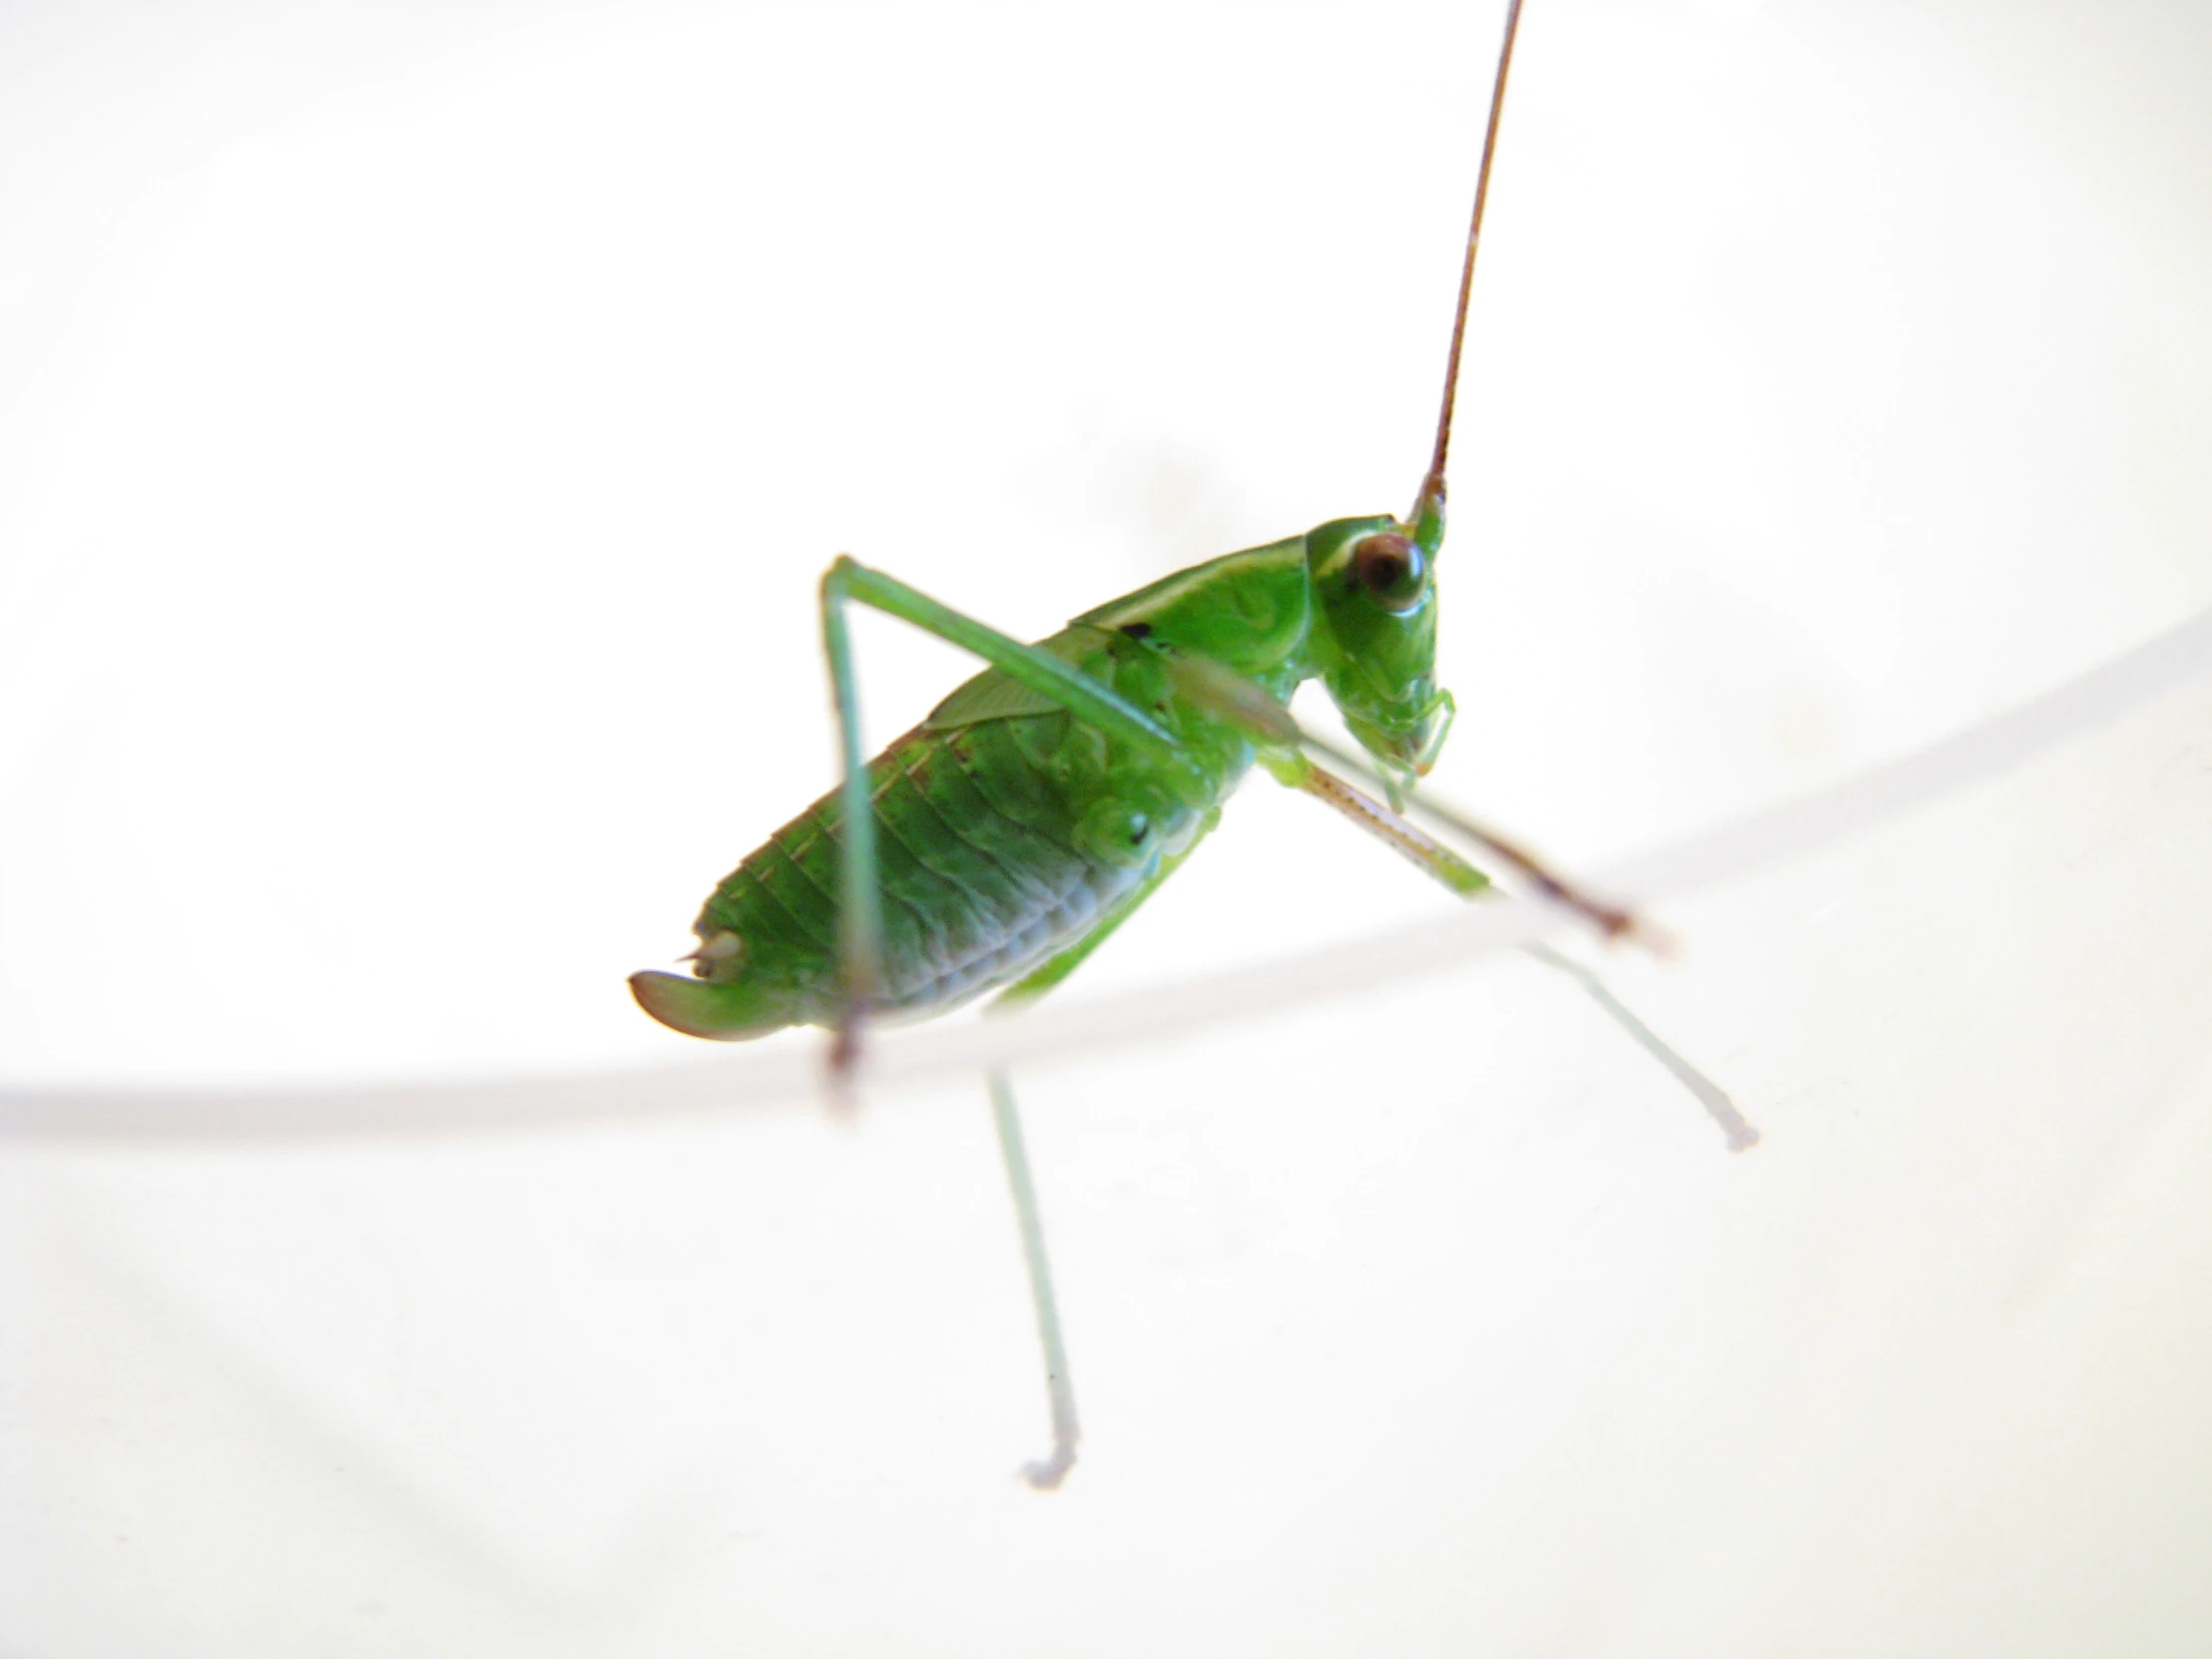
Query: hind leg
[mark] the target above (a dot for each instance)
(859, 898)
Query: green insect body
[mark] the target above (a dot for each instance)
(1003, 839)
(1008, 829)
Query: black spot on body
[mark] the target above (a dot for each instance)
(1137, 630)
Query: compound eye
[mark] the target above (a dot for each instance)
(1391, 568)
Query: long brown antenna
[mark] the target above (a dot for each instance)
(1432, 487)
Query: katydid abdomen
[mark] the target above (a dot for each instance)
(1005, 832)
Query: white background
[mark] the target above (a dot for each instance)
(424, 430)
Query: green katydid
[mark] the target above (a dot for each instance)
(1001, 841)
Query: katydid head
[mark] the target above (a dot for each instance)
(1375, 593)
(1373, 579)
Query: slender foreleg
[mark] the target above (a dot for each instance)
(1742, 1134)
(1271, 725)
(1447, 866)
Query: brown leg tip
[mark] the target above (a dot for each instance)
(844, 1072)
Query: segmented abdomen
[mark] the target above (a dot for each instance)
(980, 875)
